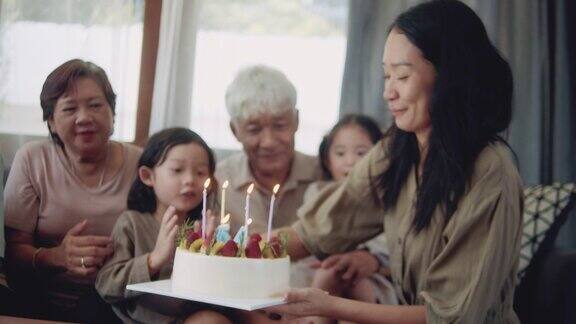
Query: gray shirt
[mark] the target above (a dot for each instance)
(304, 170)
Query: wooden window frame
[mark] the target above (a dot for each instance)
(150, 39)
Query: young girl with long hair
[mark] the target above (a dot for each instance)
(360, 274)
(168, 191)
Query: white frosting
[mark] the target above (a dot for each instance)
(229, 277)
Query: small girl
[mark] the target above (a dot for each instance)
(359, 274)
(168, 191)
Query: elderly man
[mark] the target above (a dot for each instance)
(261, 102)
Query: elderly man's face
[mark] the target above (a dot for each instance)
(268, 140)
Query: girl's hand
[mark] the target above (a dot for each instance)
(354, 265)
(83, 254)
(304, 302)
(165, 242)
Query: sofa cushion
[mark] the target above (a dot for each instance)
(546, 208)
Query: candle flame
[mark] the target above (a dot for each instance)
(276, 188)
(225, 219)
(250, 188)
(249, 221)
(207, 183)
(225, 184)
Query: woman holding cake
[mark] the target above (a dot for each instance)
(63, 196)
(442, 182)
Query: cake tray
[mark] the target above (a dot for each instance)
(164, 288)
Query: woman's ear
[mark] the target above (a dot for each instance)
(146, 175)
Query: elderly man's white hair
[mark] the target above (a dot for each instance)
(258, 89)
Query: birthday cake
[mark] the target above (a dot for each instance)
(239, 268)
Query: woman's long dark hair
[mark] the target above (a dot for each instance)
(369, 125)
(141, 197)
(471, 103)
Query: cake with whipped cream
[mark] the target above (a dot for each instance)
(239, 268)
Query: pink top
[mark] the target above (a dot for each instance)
(44, 197)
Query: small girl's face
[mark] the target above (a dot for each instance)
(179, 180)
(349, 145)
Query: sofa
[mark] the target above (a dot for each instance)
(546, 292)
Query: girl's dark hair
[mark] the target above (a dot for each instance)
(471, 103)
(63, 79)
(368, 124)
(141, 197)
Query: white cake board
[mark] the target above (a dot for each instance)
(164, 287)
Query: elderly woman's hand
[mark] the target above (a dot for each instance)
(84, 254)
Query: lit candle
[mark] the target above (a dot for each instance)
(223, 230)
(247, 208)
(204, 196)
(223, 207)
(271, 211)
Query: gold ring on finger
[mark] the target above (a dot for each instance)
(82, 262)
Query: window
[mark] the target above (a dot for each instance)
(304, 39)
(38, 35)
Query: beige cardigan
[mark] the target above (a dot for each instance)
(463, 271)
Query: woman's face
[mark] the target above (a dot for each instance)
(349, 145)
(408, 84)
(83, 118)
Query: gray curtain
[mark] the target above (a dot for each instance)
(563, 128)
(362, 84)
(538, 37)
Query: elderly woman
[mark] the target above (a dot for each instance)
(442, 185)
(261, 102)
(63, 195)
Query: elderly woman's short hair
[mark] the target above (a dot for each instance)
(258, 89)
